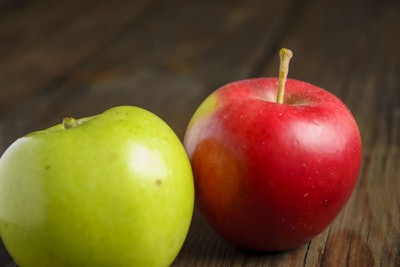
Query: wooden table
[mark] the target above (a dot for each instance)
(78, 58)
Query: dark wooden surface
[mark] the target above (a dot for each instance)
(78, 58)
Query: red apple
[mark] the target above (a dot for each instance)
(271, 176)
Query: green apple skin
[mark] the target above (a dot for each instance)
(115, 190)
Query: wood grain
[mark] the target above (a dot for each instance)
(44, 40)
(74, 58)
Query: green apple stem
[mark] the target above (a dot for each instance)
(70, 122)
(285, 56)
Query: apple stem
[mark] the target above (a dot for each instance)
(285, 56)
(70, 122)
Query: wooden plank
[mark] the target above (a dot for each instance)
(44, 40)
(7, 6)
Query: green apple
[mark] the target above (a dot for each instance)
(114, 189)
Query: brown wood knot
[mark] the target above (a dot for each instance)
(347, 248)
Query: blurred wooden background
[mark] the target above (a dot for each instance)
(78, 58)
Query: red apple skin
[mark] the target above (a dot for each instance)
(269, 176)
